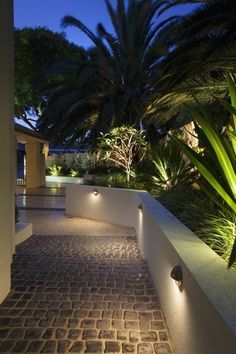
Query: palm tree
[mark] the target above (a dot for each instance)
(76, 100)
(203, 47)
(114, 86)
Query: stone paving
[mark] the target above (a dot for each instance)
(81, 294)
(52, 222)
(78, 286)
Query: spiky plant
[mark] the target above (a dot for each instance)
(219, 232)
(218, 167)
(203, 46)
(55, 170)
(166, 169)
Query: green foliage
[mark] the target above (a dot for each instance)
(219, 232)
(116, 180)
(104, 168)
(220, 171)
(188, 204)
(81, 165)
(216, 227)
(144, 71)
(125, 146)
(165, 169)
(56, 170)
(225, 182)
(114, 86)
(36, 49)
(203, 47)
(75, 173)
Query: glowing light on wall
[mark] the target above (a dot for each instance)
(95, 192)
(177, 274)
(95, 196)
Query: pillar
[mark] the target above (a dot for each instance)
(7, 183)
(35, 166)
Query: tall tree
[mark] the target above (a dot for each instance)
(203, 47)
(35, 49)
(115, 86)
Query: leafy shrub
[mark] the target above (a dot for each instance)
(214, 226)
(219, 232)
(117, 180)
(187, 204)
(74, 173)
(164, 169)
(81, 165)
(56, 170)
(217, 163)
(125, 146)
(104, 168)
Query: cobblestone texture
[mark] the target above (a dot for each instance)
(81, 294)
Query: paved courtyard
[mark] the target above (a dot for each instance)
(82, 294)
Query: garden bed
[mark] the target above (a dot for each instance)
(199, 311)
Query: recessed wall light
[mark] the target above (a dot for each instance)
(177, 275)
(95, 192)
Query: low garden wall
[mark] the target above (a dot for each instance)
(63, 179)
(201, 314)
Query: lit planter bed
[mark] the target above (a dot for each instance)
(200, 311)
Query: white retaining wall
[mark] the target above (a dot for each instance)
(202, 315)
(63, 179)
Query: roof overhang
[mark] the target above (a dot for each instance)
(25, 135)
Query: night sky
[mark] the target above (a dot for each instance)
(31, 13)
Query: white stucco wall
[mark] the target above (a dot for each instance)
(63, 179)
(35, 165)
(202, 316)
(7, 158)
(109, 205)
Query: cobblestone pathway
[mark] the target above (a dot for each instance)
(78, 294)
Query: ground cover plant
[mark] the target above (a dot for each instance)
(163, 169)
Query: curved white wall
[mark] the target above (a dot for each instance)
(117, 206)
(63, 179)
(202, 316)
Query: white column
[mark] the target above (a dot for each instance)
(7, 188)
(35, 166)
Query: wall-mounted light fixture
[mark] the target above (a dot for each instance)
(95, 192)
(140, 206)
(177, 275)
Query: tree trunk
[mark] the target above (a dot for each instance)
(128, 177)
